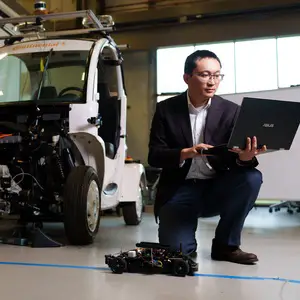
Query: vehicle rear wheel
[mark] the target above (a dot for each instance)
(133, 211)
(82, 205)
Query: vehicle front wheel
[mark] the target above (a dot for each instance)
(180, 268)
(118, 265)
(82, 205)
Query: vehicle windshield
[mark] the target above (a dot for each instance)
(22, 73)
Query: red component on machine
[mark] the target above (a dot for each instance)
(40, 8)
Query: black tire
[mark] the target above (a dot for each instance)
(118, 265)
(133, 211)
(181, 268)
(76, 190)
(130, 214)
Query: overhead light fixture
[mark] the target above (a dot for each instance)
(107, 20)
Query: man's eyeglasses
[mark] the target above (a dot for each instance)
(205, 77)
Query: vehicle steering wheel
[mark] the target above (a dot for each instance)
(71, 88)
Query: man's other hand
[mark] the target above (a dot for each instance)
(250, 151)
(193, 151)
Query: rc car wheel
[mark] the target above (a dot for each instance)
(118, 265)
(133, 211)
(82, 205)
(180, 268)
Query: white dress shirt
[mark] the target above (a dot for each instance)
(200, 168)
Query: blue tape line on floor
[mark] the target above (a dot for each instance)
(107, 269)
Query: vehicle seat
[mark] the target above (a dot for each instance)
(109, 110)
(47, 92)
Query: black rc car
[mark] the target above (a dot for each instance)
(152, 258)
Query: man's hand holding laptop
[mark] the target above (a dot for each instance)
(251, 150)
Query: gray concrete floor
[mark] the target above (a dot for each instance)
(67, 273)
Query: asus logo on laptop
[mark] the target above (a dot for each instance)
(268, 125)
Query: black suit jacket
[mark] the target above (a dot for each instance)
(171, 132)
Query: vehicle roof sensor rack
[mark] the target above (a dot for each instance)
(32, 26)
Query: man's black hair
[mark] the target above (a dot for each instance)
(190, 62)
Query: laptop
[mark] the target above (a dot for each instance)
(273, 122)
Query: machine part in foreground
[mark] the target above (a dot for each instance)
(151, 258)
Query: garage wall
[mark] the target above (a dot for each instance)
(126, 5)
(120, 6)
(206, 31)
(112, 3)
(139, 68)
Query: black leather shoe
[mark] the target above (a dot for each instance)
(232, 254)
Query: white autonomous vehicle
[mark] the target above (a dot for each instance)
(63, 125)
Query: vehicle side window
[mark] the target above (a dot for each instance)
(109, 103)
(15, 81)
(107, 73)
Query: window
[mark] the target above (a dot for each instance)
(23, 75)
(170, 69)
(109, 103)
(162, 98)
(256, 65)
(15, 82)
(288, 61)
(248, 66)
(225, 51)
(108, 72)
